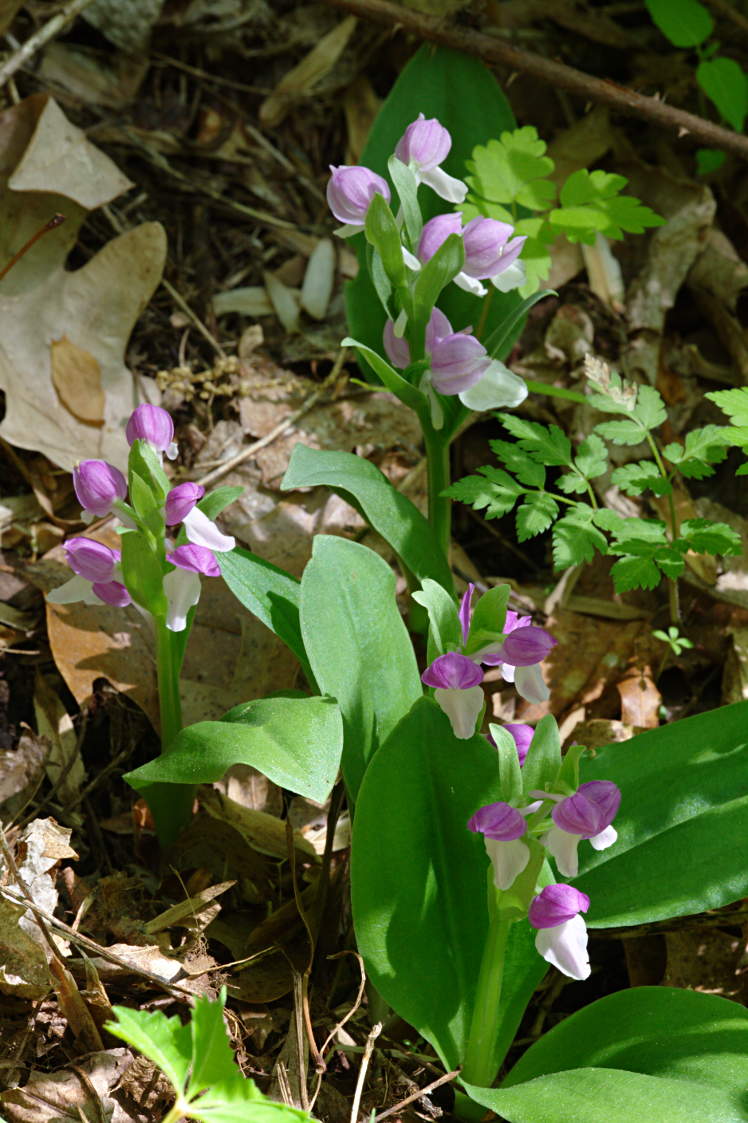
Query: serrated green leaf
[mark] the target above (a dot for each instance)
(703, 448)
(591, 458)
(686, 23)
(732, 402)
(649, 410)
(575, 539)
(519, 463)
(591, 204)
(212, 1059)
(711, 538)
(623, 432)
(609, 520)
(512, 169)
(545, 443)
(640, 536)
(644, 475)
(634, 573)
(165, 1041)
(724, 81)
(670, 559)
(494, 490)
(535, 515)
(571, 483)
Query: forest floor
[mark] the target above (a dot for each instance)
(218, 120)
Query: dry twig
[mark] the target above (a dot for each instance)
(557, 74)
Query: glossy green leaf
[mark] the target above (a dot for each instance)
(650, 1053)
(145, 462)
(389, 377)
(270, 594)
(682, 824)
(726, 83)
(419, 882)
(686, 23)
(465, 97)
(295, 742)
(445, 632)
(436, 274)
(382, 233)
(386, 509)
(358, 646)
(219, 499)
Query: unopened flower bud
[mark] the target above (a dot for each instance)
(435, 232)
(425, 143)
(489, 247)
(350, 191)
(98, 485)
(152, 424)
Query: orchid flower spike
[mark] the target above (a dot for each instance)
(350, 190)
(503, 828)
(425, 145)
(588, 813)
(458, 364)
(181, 507)
(152, 424)
(182, 584)
(522, 735)
(518, 657)
(98, 485)
(97, 575)
(456, 680)
(561, 932)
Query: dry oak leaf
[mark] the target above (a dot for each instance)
(55, 321)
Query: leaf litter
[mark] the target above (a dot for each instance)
(255, 230)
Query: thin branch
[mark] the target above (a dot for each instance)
(419, 1094)
(557, 74)
(40, 38)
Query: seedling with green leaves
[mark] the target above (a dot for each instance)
(646, 548)
(675, 641)
(197, 1060)
(511, 177)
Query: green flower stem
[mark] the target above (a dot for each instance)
(440, 507)
(479, 1067)
(673, 591)
(170, 804)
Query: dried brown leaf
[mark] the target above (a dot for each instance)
(76, 376)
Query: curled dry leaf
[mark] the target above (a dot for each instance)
(59, 325)
(66, 1095)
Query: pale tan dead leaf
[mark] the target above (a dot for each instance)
(190, 910)
(360, 105)
(46, 166)
(262, 832)
(142, 958)
(316, 288)
(39, 848)
(64, 766)
(247, 786)
(640, 698)
(76, 376)
(99, 78)
(65, 1095)
(301, 80)
(74, 1008)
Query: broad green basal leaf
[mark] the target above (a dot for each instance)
(682, 825)
(389, 512)
(646, 1054)
(357, 645)
(295, 742)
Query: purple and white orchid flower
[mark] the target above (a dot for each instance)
(458, 364)
(490, 251)
(152, 424)
(424, 146)
(181, 507)
(98, 485)
(350, 190)
(588, 813)
(182, 584)
(503, 828)
(518, 658)
(561, 932)
(97, 573)
(456, 680)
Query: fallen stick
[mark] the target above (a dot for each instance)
(557, 74)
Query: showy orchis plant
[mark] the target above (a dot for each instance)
(647, 549)
(410, 263)
(168, 542)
